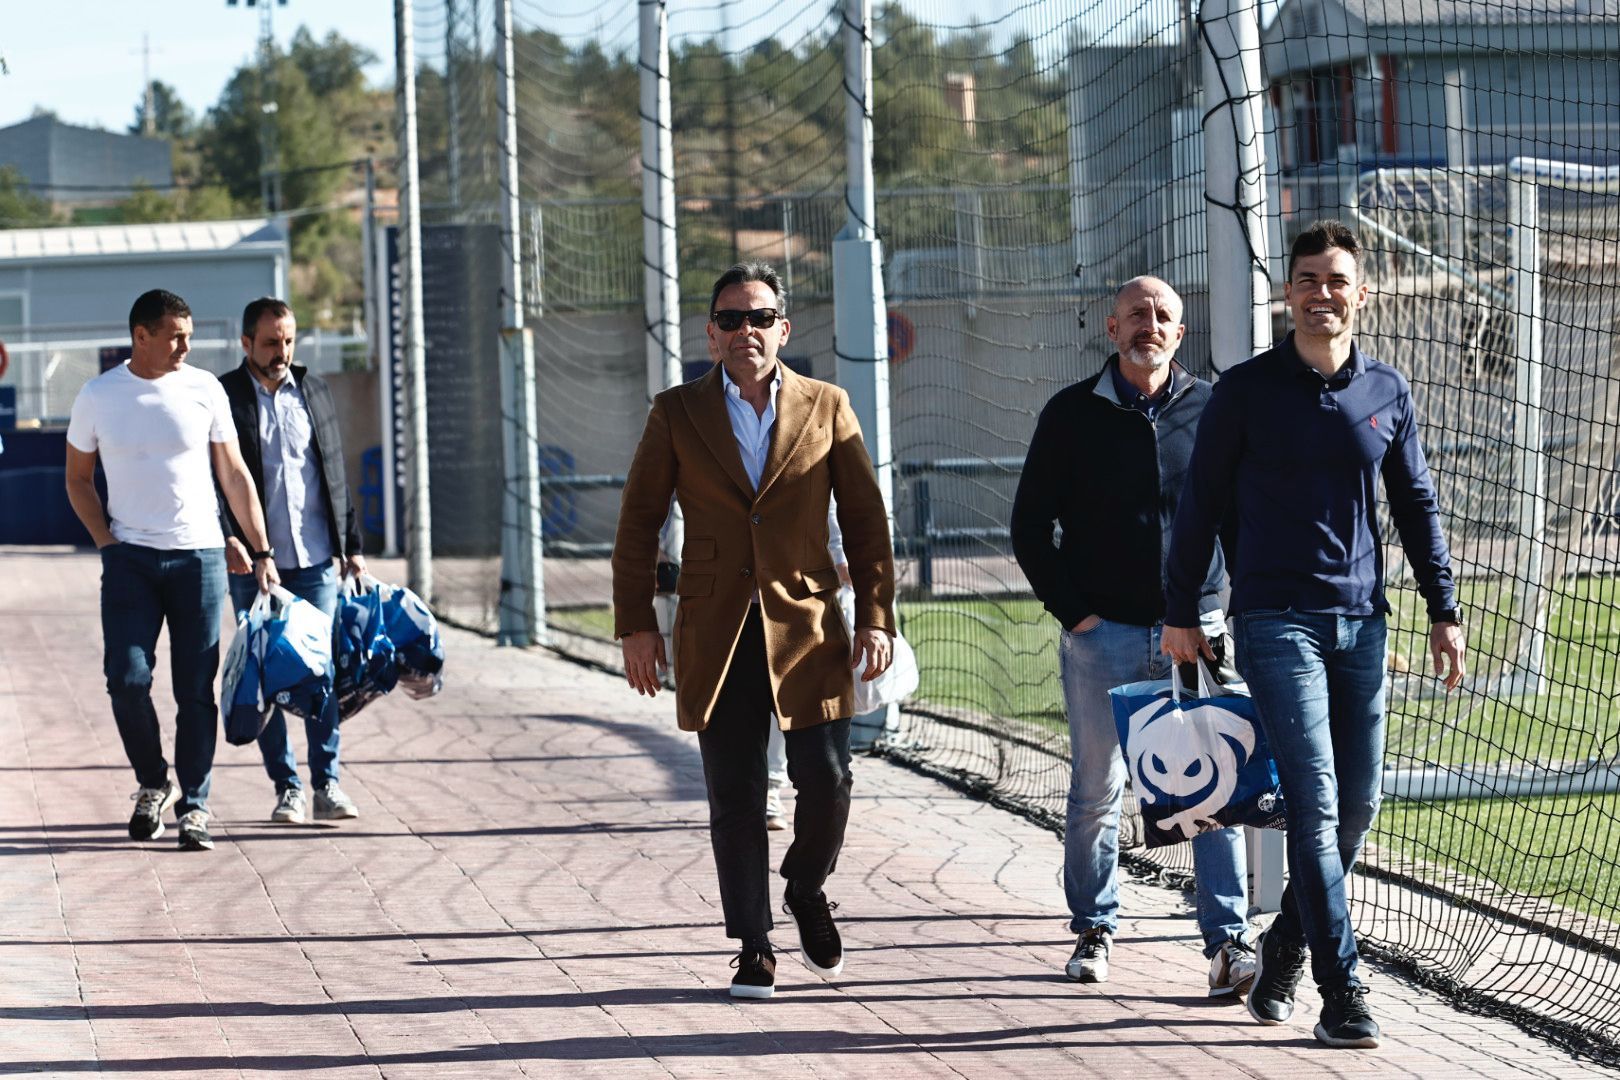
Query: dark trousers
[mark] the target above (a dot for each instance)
(141, 589)
(733, 747)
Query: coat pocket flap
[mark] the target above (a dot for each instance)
(694, 585)
(818, 581)
(697, 548)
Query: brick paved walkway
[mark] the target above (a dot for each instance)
(528, 892)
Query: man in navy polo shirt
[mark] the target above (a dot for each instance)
(1289, 453)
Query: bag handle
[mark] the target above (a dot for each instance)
(1207, 684)
(260, 608)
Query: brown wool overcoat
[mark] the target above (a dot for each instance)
(737, 540)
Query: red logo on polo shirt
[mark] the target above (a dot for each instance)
(1375, 421)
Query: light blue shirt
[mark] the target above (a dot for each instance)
(753, 430)
(295, 514)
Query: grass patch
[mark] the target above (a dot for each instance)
(1562, 848)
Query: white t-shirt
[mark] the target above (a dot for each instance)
(153, 436)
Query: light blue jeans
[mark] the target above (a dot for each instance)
(1095, 661)
(1318, 684)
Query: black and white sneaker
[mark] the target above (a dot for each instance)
(756, 974)
(1231, 969)
(146, 823)
(194, 831)
(1346, 1021)
(1089, 961)
(819, 943)
(1277, 969)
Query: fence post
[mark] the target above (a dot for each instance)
(860, 315)
(1234, 181)
(1235, 230)
(1524, 262)
(523, 594)
(418, 512)
(662, 288)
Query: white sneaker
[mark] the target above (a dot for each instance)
(289, 807)
(775, 820)
(1089, 962)
(1231, 969)
(331, 804)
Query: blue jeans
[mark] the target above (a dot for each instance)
(141, 589)
(318, 585)
(1318, 684)
(1094, 662)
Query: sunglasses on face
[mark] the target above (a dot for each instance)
(730, 319)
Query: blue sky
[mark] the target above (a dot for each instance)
(82, 58)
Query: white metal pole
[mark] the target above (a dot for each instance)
(418, 511)
(1524, 252)
(860, 313)
(1457, 120)
(452, 92)
(661, 276)
(523, 605)
(1235, 182)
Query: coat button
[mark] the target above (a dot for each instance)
(755, 519)
(746, 572)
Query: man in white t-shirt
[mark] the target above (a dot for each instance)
(162, 432)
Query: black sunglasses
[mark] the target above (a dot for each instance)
(730, 319)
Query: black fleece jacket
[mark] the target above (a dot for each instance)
(1111, 479)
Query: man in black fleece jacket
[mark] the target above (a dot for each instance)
(1106, 464)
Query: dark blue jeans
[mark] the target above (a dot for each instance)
(1318, 684)
(141, 589)
(318, 585)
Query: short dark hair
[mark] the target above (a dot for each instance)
(742, 274)
(151, 307)
(1319, 237)
(257, 309)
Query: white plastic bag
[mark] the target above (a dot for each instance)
(896, 683)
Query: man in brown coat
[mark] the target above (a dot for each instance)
(753, 451)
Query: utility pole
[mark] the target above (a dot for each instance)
(269, 149)
(418, 507)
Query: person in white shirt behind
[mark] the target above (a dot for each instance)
(162, 432)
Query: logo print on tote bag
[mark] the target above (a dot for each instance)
(1170, 761)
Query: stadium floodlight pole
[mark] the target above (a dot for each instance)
(860, 313)
(523, 605)
(1235, 181)
(1239, 284)
(418, 511)
(660, 257)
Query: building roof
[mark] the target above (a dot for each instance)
(1451, 12)
(69, 164)
(184, 237)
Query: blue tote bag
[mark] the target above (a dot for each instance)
(241, 698)
(1196, 764)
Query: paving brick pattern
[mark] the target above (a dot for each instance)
(528, 892)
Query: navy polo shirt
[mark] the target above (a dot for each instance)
(1295, 459)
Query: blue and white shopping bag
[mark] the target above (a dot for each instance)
(410, 625)
(296, 657)
(1197, 764)
(363, 655)
(241, 698)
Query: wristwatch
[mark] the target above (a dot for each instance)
(267, 553)
(1450, 615)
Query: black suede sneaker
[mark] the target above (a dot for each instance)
(150, 803)
(1277, 968)
(820, 946)
(756, 974)
(1346, 1022)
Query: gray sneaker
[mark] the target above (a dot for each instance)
(775, 820)
(289, 807)
(331, 804)
(194, 831)
(1231, 969)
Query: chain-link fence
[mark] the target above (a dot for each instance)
(1027, 163)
